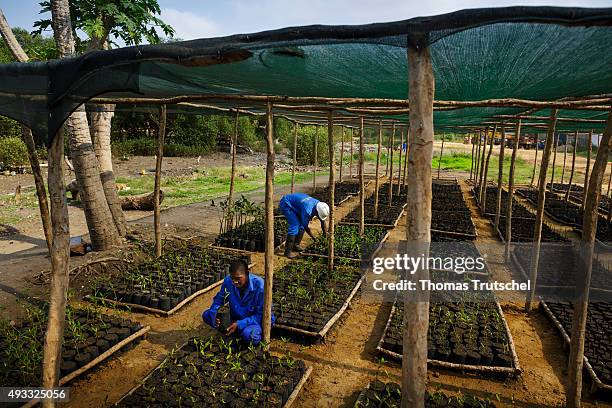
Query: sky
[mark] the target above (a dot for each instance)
(212, 18)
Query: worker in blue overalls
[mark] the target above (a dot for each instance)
(299, 209)
(244, 292)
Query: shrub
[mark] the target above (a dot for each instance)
(13, 152)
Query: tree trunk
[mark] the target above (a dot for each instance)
(269, 230)
(569, 187)
(564, 159)
(332, 188)
(482, 164)
(361, 181)
(316, 159)
(471, 137)
(100, 223)
(537, 232)
(416, 311)
(26, 134)
(483, 197)
(588, 165)
(535, 162)
(517, 141)
(295, 137)
(161, 134)
(554, 163)
(500, 176)
(60, 255)
(589, 228)
(101, 118)
(441, 153)
(377, 181)
(230, 197)
(392, 141)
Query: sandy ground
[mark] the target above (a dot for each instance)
(343, 364)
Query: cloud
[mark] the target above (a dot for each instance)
(189, 25)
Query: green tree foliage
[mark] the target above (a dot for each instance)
(13, 152)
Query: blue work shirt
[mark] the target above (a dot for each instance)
(303, 205)
(245, 309)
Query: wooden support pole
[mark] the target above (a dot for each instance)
(230, 197)
(351, 158)
(583, 277)
(341, 154)
(564, 159)
(482, 164)
(500, 175)
(418, 224)
(316, 159)
(517, 140)
(471, 138)
(588, 165)
(391, 179)
(332, 187)
(399, 163)
(537, 231)
(60, 257)
(269, 229)
(388, 163)
(483, 194)
(377, 181)
(295, 139)
(535, 161)
(569, 187)
(362, 179)
(477, 165)
(406, 153)
(161, 134)
(441, 153)
(554, 163)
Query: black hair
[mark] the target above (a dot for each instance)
(237, 265)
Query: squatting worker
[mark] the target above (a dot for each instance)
(244, 292)
(299, 209)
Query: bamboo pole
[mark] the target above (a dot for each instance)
(588, 165)
(392, 141)
(500, 176)
(316, 159)
(295, 138)
(537, 232)
(569, 186)
(535, 161)
(517, 140)
(482, 164)
(230, 197)
(351, 158)
(399, 163)
(362, 181)
(269, 229)
(341, 153)
(60, 256)
(483, 197)
(377, 181)
(441, 153)
(471, 137)
(581, 303)
(554, 163)
(158, 165)
(332, 187)
(564, 159)
(416, 316)
(406, 156)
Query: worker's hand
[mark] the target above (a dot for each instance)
(233, 327)
(217, 322)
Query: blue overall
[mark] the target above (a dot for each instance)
(298, 209)
(246, 310)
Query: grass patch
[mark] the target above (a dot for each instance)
(207, 184)
(12, 212)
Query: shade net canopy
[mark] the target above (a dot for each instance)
(531, 53)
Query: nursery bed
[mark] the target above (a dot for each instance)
(250, 236)
(387, 216)
(522, 231)
(165, 285)
(320, 299)
(453, 223)
(347, 243)
(593, 355)
(390, 344)
(380, 394)
(188, 369)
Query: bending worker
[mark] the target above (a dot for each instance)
(299, 209)
(244, 292)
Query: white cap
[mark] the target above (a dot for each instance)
(322, 211)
